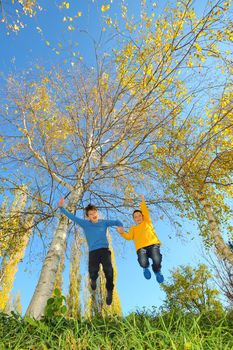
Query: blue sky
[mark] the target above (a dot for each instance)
(27, 49)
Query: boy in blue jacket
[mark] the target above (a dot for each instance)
(95, 232)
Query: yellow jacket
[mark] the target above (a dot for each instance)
(144, 233)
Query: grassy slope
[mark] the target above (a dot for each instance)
(136, 331)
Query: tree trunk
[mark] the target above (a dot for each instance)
(45, 286)
(221, 247)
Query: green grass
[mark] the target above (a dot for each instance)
(139, 331)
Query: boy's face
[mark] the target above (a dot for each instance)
(93, 215)
(138, 217)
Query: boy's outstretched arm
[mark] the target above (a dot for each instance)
(124, 234)
(70, 216)
(144, 209)
(113, 223)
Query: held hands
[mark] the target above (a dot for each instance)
(61, 202)
(120, 230)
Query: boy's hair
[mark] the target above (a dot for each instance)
(137, 211)
(90, 207)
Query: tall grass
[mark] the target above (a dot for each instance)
(138, 331)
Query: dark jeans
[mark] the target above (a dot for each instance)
(97, 257)
(153, 252)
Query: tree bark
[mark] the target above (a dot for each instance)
(221, 247)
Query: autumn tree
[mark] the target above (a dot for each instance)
(190, 290)
(194, 163)
(191, 155)
(89, 301)
(4, 232)
(17, 304)
(223, 276)
(74, 294)
(16, 228)
(13, 304)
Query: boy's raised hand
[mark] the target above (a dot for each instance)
(143, 198)
(120, 230)
(61, 202)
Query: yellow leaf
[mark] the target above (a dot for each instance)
(108, 21)
(189, 63)
(105, 8)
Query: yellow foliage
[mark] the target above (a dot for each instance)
(40, 100)
(15, 247)
(189, 63)
(105, 8)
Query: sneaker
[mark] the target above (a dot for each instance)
(159, 277)
(146, 273)
(109, 297)
(93, 284)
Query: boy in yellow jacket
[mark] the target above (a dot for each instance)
(146, 241)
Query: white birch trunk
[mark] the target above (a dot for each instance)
(222, 248)
(45, 286)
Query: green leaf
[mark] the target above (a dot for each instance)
(50, 301)
(31, 321)
(57, 292)
(49, 313)
(59, 301)
(63, 309)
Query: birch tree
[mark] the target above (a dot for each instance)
(194, 161)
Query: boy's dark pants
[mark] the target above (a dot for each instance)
(97, 257)
(153, 252)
